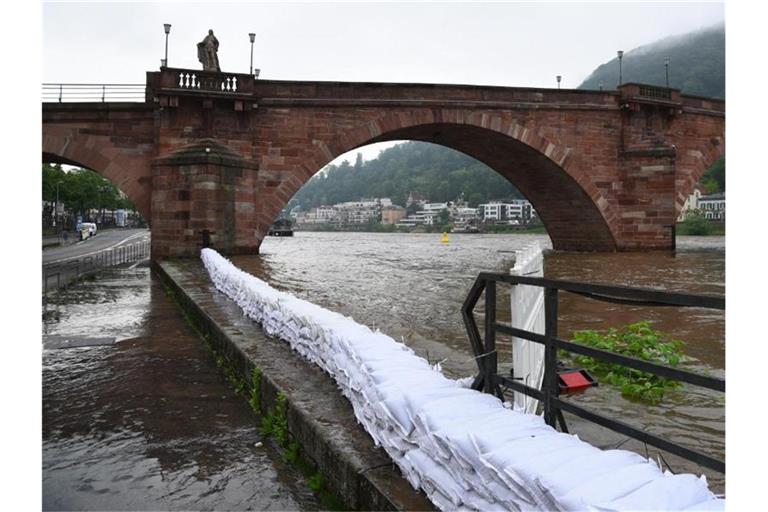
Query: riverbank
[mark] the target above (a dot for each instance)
(316, 416)
(391, 228)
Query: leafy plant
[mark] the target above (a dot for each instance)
(255, 399)
(275, 423)
(316, 482)
(636, 340)
(695, 224)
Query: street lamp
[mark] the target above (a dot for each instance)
(558, 80)
(601, 85)
(666, 70)
(620, 53)
(167, 27)
(56, 205)
(252, 37)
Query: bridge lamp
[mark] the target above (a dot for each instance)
(559, 78)
(167, 28)
(252, 37)
(666, 70)
(620, 53)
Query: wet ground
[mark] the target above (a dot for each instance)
(137, 417)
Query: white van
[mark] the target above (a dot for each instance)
(87, 230)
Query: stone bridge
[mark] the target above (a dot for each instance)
(224, 153)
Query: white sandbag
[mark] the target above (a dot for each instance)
(671, 492)
(713, 505)
(461, 447)
(609, 486)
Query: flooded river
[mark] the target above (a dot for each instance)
(137, 417)
(411, 287)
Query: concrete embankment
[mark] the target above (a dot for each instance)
(319, 418)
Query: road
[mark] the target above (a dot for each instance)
(103, 240)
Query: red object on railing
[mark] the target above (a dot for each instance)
(571, 381)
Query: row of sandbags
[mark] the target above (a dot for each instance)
(463, 448)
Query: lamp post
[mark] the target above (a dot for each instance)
(167, 28)
(56, 204)
(559, 78)
(601, 85)
(620, 53)
(666, 70)
(252, 37)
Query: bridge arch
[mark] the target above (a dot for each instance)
(543, 170)
(112, 144)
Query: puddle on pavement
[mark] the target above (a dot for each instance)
(137, 417)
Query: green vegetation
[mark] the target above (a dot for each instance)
(81, 190)
(696, 64)
(713, 180)
(255, 399)
(695, 224)
(275, 423)
(636, 340)
(437, 172)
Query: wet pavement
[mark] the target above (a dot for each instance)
(137, 417)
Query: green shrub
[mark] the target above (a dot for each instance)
(636, 340)
(695, 224)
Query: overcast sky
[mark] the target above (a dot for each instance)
(510, 44)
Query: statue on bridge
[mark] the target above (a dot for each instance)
(207, 52)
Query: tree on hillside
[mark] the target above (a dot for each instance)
(437, 172)
(696, 64)
(713, 180)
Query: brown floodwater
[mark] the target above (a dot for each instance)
(411, 287)
(137, 417)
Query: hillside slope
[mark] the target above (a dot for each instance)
(438, 173)
(697, 64)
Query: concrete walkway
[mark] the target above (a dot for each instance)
(319, 417)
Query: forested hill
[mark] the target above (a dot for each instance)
(696, 64)
(438, 173)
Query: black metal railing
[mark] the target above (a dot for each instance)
(58, 276)
(490, 381)
(93, 93)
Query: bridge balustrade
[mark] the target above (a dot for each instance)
(90, 93)
(207, 81)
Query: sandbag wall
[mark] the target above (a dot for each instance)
(465, 449)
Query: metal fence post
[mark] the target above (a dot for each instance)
(491, 360)
(549, 386)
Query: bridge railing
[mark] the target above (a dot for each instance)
(195, 80)
(93, 93)
(490, 381)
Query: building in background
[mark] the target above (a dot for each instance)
(392, 214)
(713, 206)
(691, 205)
